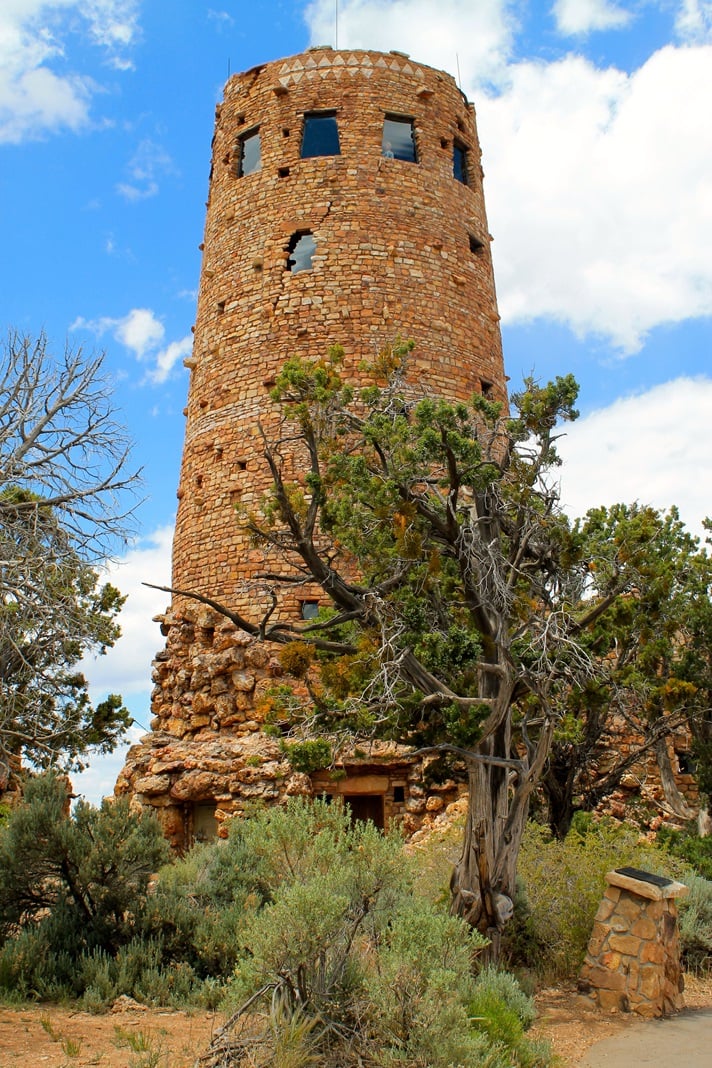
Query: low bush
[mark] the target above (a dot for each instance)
(689, 847)
(82, 878)
(340, 962)
(561, 886)
(696, 924)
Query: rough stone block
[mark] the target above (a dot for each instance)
(624, 943)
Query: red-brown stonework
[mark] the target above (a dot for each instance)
(394, 255)
(401, 248)
(633, 958)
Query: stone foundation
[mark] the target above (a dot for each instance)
(633, 958)
(209, 754)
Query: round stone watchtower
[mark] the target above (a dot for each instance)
(345, 207)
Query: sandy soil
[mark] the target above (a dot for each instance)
(52, 1036)
(49, 1036)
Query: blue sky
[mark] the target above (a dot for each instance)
(597, 149)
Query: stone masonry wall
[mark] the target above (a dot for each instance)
(208, 752)
(394, 255)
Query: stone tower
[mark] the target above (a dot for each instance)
(345, 206)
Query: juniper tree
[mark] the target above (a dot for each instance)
(460, 601)
(652, 651)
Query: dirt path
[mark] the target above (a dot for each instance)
(572, 1030)
(51, 1036)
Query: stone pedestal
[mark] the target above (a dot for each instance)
(633, 958)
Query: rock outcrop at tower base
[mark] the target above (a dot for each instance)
(209, 756)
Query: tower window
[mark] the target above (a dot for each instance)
(459, 162)
(320, 136)
(486, 389)
(250, 155)
(309, 609)
(301, 249)
(399, 139)
(476, 246)
(686, 763)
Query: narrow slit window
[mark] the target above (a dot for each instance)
(399, 139)
(459, 163)
(321, 135)
(250, 159)
(300, 252)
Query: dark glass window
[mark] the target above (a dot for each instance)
(250, 156)
(321, 135)
(399, 139)
(310, 609)
(459, 163)
(301, 248)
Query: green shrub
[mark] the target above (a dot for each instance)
(85, 877)
(687, 844)
(696, 924)
(416, 986)
(97, 980)
(73, 891)
(562, 886)
(503, 1012)
(311, 755)
(340, 960)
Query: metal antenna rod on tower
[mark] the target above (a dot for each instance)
(336, 24)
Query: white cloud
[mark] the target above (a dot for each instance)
(35, 99)
(599, 193)
(598, 186)
(168, 357)
(126, 668)
(98, 780)
(693, 21)
(652, 448)
(478, 36)
(147, 164)
(222, 19)
(139, 331)
(113, 24)
(584, 16)
(142, 333)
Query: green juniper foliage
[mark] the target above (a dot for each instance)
(71, 884)
(462, 613)
(653, 645)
